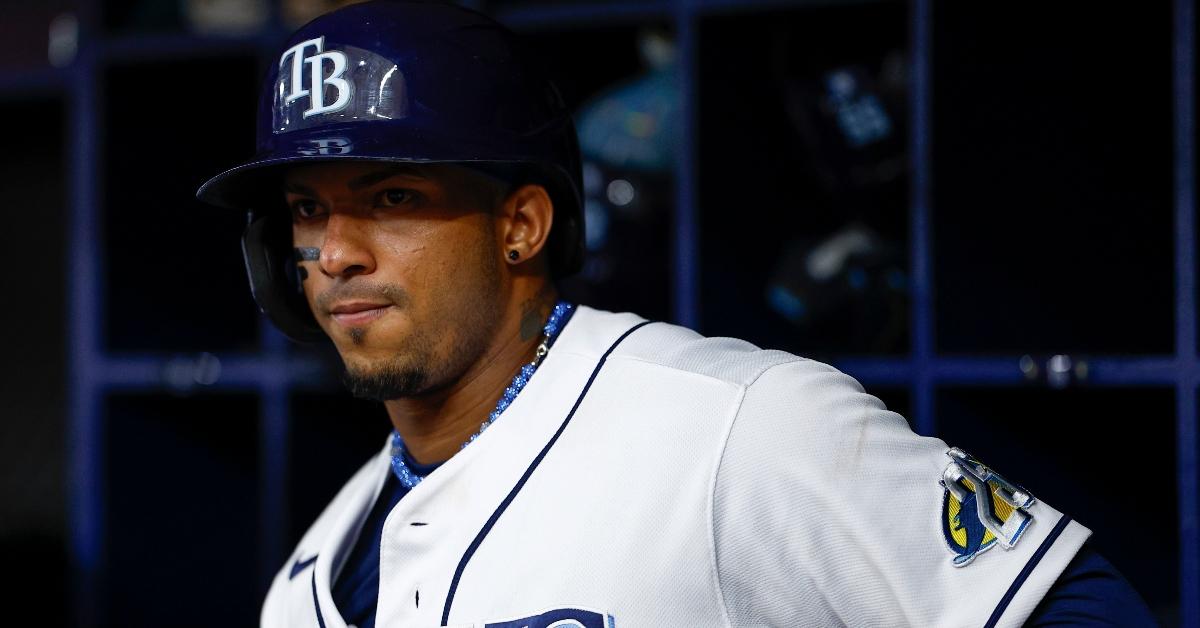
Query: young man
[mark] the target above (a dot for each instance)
(416, 192)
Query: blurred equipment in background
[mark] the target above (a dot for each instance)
(633, 126)
(1059, 371)
(848, 119)
(35, 35)
(628, 136)
(297, 13)
(182, 374)
(847, 281)
(226, 17)
(62, 40)
(852, 277)
(229, 18)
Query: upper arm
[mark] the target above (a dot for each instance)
(829, 509)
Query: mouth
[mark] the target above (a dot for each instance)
(358, 313)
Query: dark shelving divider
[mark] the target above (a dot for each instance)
(686, 239)
(271, 373)
(86, 508)
(26, 85)
(1183, 87)
(920, 230)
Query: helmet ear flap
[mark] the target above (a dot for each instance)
(274, 281)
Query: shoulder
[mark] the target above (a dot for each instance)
(776, 396)
(671, 347)
(776, 386)
(804, 426)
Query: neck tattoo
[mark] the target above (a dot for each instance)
(558, 318)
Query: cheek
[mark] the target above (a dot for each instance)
(440, 264)
(440, 253)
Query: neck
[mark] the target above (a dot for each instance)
(434, 425)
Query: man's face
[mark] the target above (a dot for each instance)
(405, 270)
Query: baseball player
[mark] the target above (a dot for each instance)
(415, 193)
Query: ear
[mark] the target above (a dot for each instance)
(524, 223)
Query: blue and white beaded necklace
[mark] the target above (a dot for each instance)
(558, 318)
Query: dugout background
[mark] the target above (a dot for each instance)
(1026, 289)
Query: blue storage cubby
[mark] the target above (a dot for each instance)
(181, 504)
(174, 276)
(1053, 219)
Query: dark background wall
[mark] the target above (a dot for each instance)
(976, 212)
(33, 420)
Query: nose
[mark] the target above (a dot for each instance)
(345, 251)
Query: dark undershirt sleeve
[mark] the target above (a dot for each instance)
(1090, 592)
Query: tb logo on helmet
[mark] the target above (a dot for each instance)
(318, 81)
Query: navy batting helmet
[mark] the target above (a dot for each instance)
(399, 81)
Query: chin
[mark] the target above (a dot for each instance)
(371, 361)
(393, 379)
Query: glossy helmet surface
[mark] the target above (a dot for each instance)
(399, 82)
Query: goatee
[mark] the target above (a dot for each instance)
(387, 383)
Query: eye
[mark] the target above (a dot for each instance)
(395, 196)
(305, 208)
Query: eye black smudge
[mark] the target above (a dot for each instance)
(307, 254)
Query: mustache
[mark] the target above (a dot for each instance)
(388, 292)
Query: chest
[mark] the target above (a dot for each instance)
(604, 520)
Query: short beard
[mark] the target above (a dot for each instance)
(390, 382)
(422, 370)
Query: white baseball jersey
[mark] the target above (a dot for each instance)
(648, 476)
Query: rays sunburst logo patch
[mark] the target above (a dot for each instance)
(975, 518)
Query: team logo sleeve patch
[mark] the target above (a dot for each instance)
(980, 508)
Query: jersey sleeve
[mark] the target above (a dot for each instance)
(828, 509)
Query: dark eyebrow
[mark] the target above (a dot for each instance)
(371, 178)
(299, 188)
